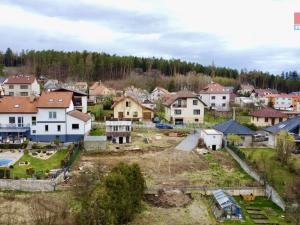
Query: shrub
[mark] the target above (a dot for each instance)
(237, 151)
(26, 151)
(56, 141)
(44, 151)
(30, 171)
(39, 175)
(11, 166)
(26, 162)
(34, 153)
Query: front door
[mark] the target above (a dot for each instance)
(120, 140)
(273, 121)
(214, 147)
(120, 115)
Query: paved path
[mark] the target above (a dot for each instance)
(190, 142)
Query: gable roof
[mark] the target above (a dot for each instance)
(288, 125)
(233, 127)
(247, 87)
(80, 115)
(181, 94)
(18, 104)
(98, 88)
(76, 92)
(265, 92)
(20, 79)
(120, 99)
(268, 112)
(214, 88)
(55, 99)
(161, 89)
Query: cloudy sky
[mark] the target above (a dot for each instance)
(252, 34)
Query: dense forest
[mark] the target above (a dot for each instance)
(91, 66)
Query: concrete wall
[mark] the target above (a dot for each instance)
(95, 145)
(27, 185)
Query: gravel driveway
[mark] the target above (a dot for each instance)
(190, 142)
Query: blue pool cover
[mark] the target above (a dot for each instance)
(4, 162)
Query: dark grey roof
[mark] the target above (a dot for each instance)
(233, 127)
(289, 125)
(76, 92)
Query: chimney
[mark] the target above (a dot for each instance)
(31, 98)
(233, 113)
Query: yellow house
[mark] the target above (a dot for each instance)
(267, 117)
(128, 107)
(183, 108)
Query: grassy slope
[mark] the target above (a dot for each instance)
(38, 164)
(279, 175)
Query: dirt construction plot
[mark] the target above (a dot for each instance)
(195, 213)
(172, 168)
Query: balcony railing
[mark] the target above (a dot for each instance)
(179, 105)
(14, 125)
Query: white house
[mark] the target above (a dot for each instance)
(46, 118)
(183, 108)
(21, 85)
(158, 93)
(212, 138)
(216, 97)
(118, 131)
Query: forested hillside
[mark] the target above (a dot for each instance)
(91, 66)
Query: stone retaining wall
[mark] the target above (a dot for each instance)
(27, 185)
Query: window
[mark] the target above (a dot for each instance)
(127, 128)
(12, 120)
(127, 104)
(224, 97)
(11, 94)
(33, 120)
(34, 131)
(20, 121)
(115, 128)
(195, 102)
(196, 120)
(127, 113)
(177, 111)
(213, 97)
(135, 114)
(52, 115)
(23, 86)
(58, 128)
(197, 111)
(24, 93)
(266, 119)
(75, 126)
(46, 128)
(223, 104)
(11, 86)
(213, 104)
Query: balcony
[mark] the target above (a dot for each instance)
(179, 105)
(14, 127)
(118, 133)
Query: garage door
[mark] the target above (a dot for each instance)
(147, 115)
(178, 121)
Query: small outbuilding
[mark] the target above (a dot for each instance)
(212, 138)
(225, 207)
(233, 127)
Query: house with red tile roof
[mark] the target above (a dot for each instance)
(46, 118)
(267, 117)
(215, 96)
(98, 90)
(158, 93)
(21, 85)
(184, 107)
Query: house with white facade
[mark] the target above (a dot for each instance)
(158, 93)
(21, 85)
(118, 131)
(42, 119)
(215, 96)
(183, 108)
(212, 138)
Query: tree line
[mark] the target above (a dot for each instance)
(91, 66)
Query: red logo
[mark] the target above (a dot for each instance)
(297, 21)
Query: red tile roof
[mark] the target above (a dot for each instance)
(180, 94)
(214, 88)
(80, 115)
(18, 104)
(20, 79)
(268, 112)
(55, 100)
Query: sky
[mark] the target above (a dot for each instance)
(241, 34)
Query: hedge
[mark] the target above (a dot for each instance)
(237, 151)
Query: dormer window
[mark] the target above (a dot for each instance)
(17, 106)
(60, 100)
(50, 100)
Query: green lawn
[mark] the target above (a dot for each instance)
(264, 160)
(273, 212)
(53, 162)
(219, 117)
(98, 111)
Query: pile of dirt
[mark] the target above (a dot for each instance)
(169, 199)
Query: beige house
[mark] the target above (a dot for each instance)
(99, 90)
(127, 107)
(21, 85)
(183, 108)
(267, 117)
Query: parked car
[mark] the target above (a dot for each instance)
(163, 126)
(259, 137)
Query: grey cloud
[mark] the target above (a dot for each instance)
(123, 20)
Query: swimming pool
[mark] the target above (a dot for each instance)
(5, 162)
